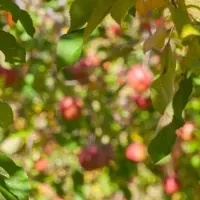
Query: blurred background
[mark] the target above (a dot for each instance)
(82, 133)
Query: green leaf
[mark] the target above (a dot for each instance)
(120, 9)
(27, 22)
(163, 143)
(156, 41)
(16, 187)
(162, 89)
(3, 172)
(6, 115)
(182, 96)
(192, 58)
(101, 10)
(69, 49)
(14, 54)
(80, 12)
(180, 16)
(189, 30)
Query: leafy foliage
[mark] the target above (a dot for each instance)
(102, 87)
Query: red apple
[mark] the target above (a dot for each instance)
(114, 30)
(142, 102)
(136, 152)
(146, 26)
(82, 70)
(41, 165)
(139, 78)
(95, 156)
(70, 108)
(171, 185)
(186, 132)
(10, 76)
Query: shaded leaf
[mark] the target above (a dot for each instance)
(6, 115)
(10, 6)
(102, 9)
(80, 12)
(120, 9)
(14, 54)
(163, 142)
(26, 22)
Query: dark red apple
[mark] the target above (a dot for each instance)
(82, 70)
(136, 152)
(186, 131)
(139, 78)
(146, 26)
(95, 156)
(171, 185)
(41, 165)
(70, 108)
(142, 102)
(10, 76)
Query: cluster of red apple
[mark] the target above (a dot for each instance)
(139, 77)
(96, 156)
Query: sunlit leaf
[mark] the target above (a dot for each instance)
(16, 186)
(69, 49)
(156, 41)
(162, 89)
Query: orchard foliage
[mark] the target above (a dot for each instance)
(99, 95)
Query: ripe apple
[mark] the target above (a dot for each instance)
(139, 78)
(95, 156)
(146, 26)
(136, 152)
(70, 108)
(10, 76)
(114, 30)
(186, 131)
(142, 102)
(83, 68)
(171, 185)
(41, 165)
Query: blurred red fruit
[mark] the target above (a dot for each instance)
(41, 165)
(146, 26)
(159, 22)
(142, 102)
(84, 67)
(70, 108)
(171, 185)
(186, 132)
(139, 78)
(114, 30)
(95, 156)
(136, 152)
(10, 76)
